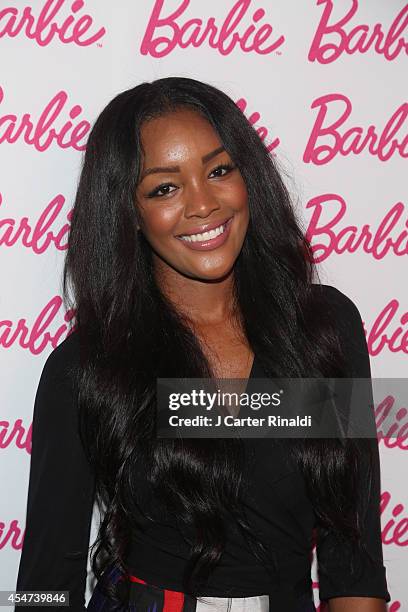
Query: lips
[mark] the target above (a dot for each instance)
(208, 244)
(201, 229)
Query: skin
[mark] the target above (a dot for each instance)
(200, 282)
(356, 604)
(196, 192)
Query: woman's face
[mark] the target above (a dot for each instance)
(189, 186)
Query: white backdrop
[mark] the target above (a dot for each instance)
(324, 82)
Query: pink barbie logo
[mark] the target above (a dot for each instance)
(394, 606)
(41, 133)
(39, 335)
(340, 139)
(331, 40)
(48, 24)
(387, 332)
(11, 535)
(166, 32)
(395, 530)
(40, 234)
(262, 131)
(328, 234)
(394, 435)
(15, 433)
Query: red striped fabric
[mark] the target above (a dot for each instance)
(173, 600)
(136, 579)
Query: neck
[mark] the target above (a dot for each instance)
(202, 302)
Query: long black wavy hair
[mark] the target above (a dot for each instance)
(130, 334)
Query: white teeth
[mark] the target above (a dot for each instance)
(205, 236)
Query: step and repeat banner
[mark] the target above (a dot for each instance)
(324, 82)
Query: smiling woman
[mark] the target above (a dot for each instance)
(192, 197)
(186, 261)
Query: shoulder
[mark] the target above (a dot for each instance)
(346, 319)
(56, 396)
(63, 362)
(341, 306)
(336, 297)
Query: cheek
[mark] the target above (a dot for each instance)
(160, 221)
(239, 196)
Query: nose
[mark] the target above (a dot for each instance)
(200, 201)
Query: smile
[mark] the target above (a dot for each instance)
(208, 240)
(205, 236)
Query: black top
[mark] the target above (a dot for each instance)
(61, 495)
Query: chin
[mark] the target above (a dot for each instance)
(211, 275)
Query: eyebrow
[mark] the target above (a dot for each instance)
(157, 169)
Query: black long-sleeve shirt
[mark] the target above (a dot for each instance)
(61, 495)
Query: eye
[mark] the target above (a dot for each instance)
(163, 187)
(227, 167)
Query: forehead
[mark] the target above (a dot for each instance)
(177, 134)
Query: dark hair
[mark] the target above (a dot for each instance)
(130, 334)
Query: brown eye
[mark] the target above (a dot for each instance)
(156, 192)
(226, 167)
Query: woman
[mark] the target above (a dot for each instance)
(194, 524)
